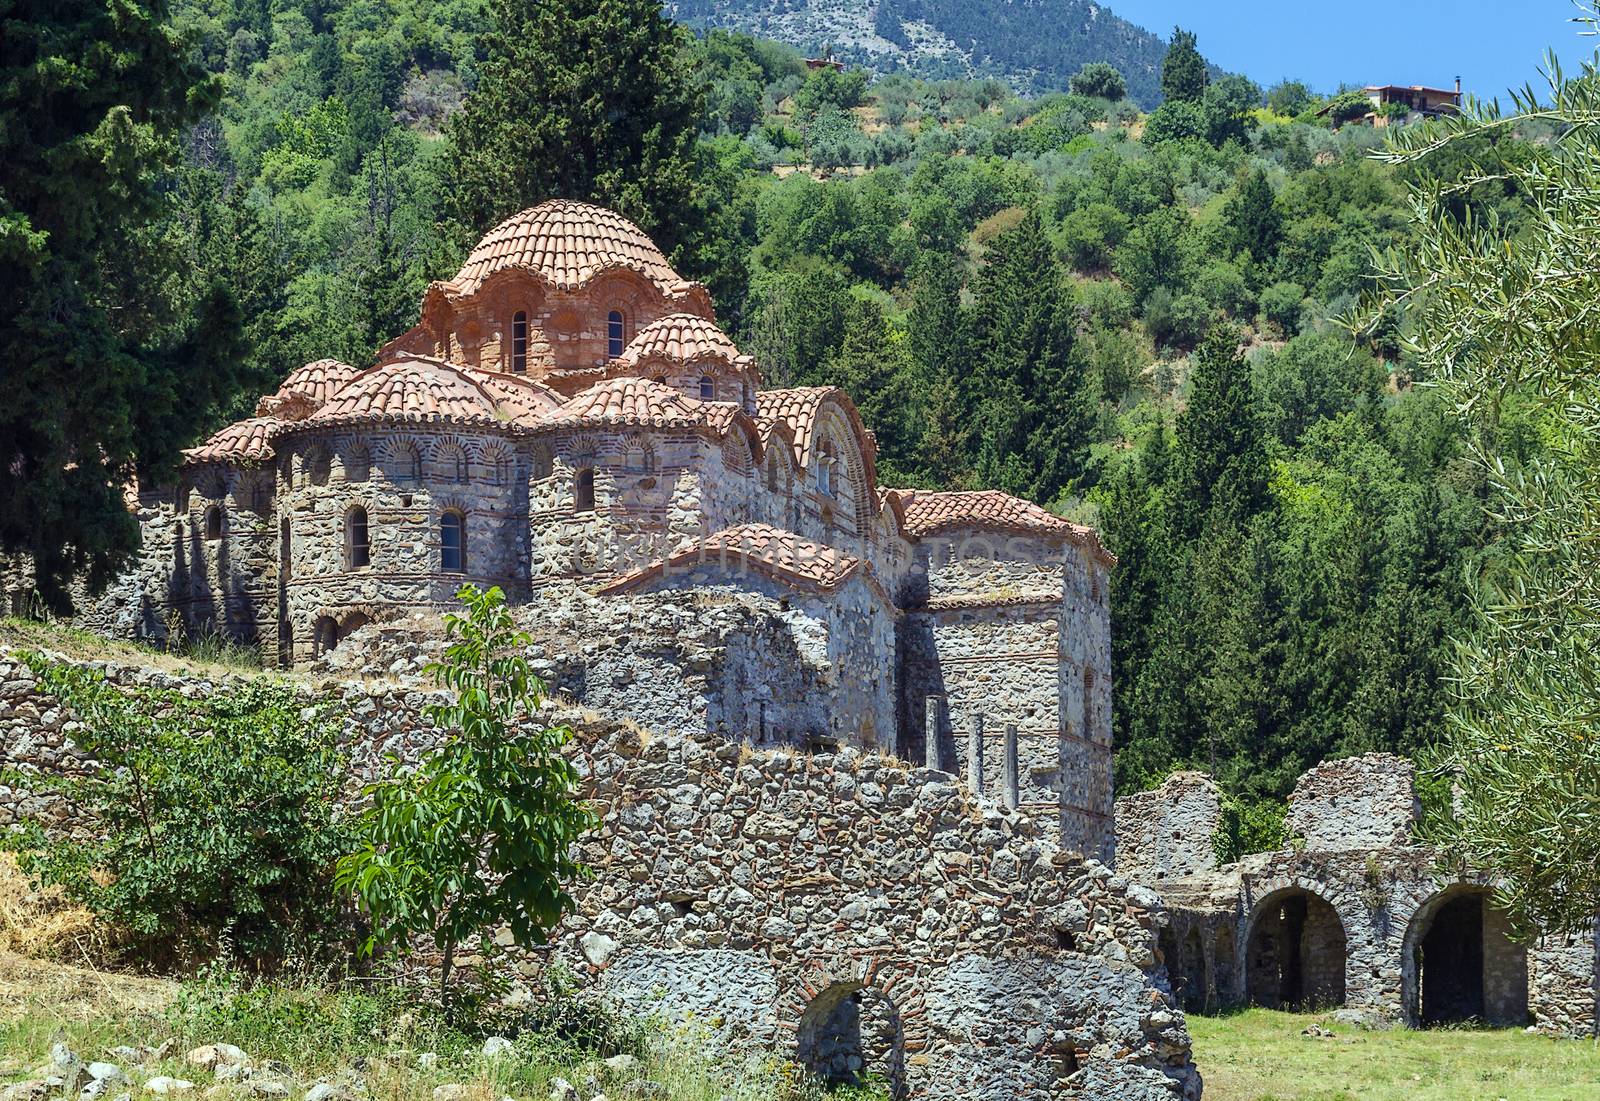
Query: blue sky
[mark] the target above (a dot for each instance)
(1492, 44)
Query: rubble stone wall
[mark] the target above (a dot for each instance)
(1169, 830)
(1366, 802)
(760, 890)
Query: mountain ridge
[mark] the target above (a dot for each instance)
(1033, 45)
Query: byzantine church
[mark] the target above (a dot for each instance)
(568, 412)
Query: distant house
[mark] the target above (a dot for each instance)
(1388, 99)
(824, 63)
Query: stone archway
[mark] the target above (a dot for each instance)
(1295, 951)
(851, 1034)
(1460, 963)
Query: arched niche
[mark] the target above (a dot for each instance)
(1295, 952)
(1460, 963)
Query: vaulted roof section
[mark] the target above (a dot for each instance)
(246, 441)
(800, 409)
(642, 402)
(928, 513)
(568, 244)
(772, 552)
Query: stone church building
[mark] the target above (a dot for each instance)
(567, 413)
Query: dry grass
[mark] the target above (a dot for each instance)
(40, 991)
(43, 925)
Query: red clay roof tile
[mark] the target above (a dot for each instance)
(928, 513)
(245, 441)
(568, 243)
(779, 554)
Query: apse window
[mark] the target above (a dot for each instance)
(583, 490)
(453, 542)
(614, 334)
(519, 342)
(357, 549)
(708, 389)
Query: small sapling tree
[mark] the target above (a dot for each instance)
(482, 831)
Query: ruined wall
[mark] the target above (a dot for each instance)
(1366, 802)
(1564, 982)
(760, 891)
(1169, 831)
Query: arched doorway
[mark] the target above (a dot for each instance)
(1461, 964)
(1295, 953)
(851, 1034)
(324, 635)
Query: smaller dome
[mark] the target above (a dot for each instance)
(307, 388)
(684, 338)
(568, 243)
(417, 389)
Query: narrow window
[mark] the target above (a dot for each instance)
(357, 550)
(214, 522)
(452, 542)
(708, 389)
(519, 342)
(614, 334)
(772, 472)
(583, 490)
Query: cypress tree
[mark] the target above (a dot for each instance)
(118, 347)
(579, 99)
(1183, 70)
(1221, 460)
(1252, 213)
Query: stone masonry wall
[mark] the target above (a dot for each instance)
(759, 890)
(1168, 831)
(1366, 802)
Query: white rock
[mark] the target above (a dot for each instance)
(61, 1056)
(428, 1060)
(496, 1046)
(268, 1088)
(450, 1091)
(597, 948)
(161, 1084)
(322, 1091)
(621, 1064)
(107, 1072)
(563, 1090)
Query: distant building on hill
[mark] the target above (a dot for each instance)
(1388, 100)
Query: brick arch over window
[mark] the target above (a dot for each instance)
(848, 484)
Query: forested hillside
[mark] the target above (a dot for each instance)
(1124, 317)
(1035, 46)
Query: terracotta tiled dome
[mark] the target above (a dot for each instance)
(683, 338)
(568, 243)
(419, 389)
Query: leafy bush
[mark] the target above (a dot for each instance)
(1099, 79)
(217, 820)
(1282, 304)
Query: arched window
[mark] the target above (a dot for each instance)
(774, 474)
(357, 549)
(614, 334)
(708, 389)
(452, 542)
(519, 342)
(825, 473)
(214, 522)
(583, 490)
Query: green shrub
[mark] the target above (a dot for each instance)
(217, 820)
(1250, 826)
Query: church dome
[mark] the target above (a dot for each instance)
(683, 338)
(418, 389)
(568, 243)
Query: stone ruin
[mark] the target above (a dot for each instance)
(846, 910)
(1355, 915)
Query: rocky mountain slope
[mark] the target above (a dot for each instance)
(1035, 45)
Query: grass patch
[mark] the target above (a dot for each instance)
(208, 651)
(1259, 1055)
(369, 1041)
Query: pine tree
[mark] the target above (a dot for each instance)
(1252, 213)
(579, 99)
(1027, 389)
(111, 340)
(871, 365)
(1183, 70)
(1222, 459)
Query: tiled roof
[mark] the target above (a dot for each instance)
(927, 513)
(568, 243)
(418, 389)
(798, 407)
(684, 338)
(243, 441)
(519, 397)
(778, 554)
(317, 381)
(642, 401)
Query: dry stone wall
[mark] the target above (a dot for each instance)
(1366, 802)
(846, 910)
(1168, 831)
